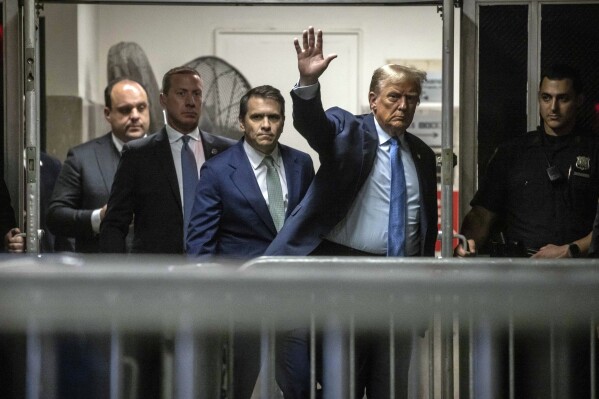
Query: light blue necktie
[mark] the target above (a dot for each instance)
(397, 207)
(276, 204)
(189, 170)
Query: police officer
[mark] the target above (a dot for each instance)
(542, 189)
(543, 186)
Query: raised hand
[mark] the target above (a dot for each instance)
(310, 61)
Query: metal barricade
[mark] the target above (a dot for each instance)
(495, 306)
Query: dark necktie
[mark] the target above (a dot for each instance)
(189, 170)
(276, 205)
(397, 207)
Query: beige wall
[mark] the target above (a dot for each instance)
(79, 38)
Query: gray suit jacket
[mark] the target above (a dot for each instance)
(83, 185)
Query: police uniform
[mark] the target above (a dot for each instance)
(543, 188)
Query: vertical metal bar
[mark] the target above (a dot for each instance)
(552, 360)
(447, 351)
(391, 356)
(534, 58)
(447, 133)
(230, 357)
(593, 358)
(32, 166)
(115, 363)
(13, 103)
(185, 371)
(468, 107)
(431, 357)
(312, 353)
(471, 357)
(335, 358)
(511, 357)
(352, 357)
(267, 360)
(34, 362)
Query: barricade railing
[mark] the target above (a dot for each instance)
(489, 302)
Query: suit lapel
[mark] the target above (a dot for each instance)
(244, 179)
(369, 147)
(417, 158)
(424, 189)
(292, 174)
(164, 156)
(208, 145)
(107, 158)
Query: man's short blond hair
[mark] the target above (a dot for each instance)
(395, 73)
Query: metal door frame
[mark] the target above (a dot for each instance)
(28, 110)
(468, 167)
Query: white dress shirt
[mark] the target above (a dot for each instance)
(366, 224)
(174, 138)
(255, 157)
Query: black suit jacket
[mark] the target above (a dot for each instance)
(50, 168)
(347, 146)
(83, 185)
(146, 186)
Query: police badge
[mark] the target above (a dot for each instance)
(583, 163)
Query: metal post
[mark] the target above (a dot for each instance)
(447, 133)
(32, 155)
(593, 345)
(335, 358)
(447, 187)
(267, 359)
(34, 361)
(185, 360)
(115, 363)
(312, 352)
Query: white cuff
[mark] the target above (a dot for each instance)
(96, 221)
(306, 92)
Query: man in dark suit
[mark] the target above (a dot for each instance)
(231, 214)
(239, 209)
(76, 209)
(374, 194)
(153, 179)
(81, 192)
(149, 180)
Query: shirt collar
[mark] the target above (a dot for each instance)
(384, 137)
(118, 143)
(174, 135)
(256, 156)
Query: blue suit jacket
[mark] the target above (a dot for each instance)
(230, 216)
(347, 146)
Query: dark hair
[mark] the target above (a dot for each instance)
(114, 82)
(394, 73)
(264, 91)
(561, 72)
(182, 70)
